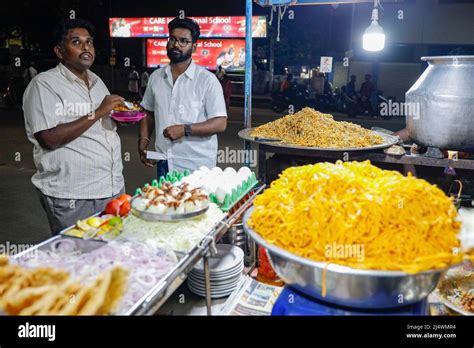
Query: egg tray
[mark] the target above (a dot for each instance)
(237, 194)
(229, 200)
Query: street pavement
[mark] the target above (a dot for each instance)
(22, 219)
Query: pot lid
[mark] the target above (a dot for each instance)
(449, 59)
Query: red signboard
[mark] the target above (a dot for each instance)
(216, 27)
(210, 53)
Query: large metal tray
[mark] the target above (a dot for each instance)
(389, 140)
(86, 246)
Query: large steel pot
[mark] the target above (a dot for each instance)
(440, 105)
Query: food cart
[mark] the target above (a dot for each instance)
(306, 278)
(87, 249)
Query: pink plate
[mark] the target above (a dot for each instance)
(127, 116)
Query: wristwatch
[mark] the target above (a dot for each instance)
(187, 130)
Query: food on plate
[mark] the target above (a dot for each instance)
(50, 291)
(466, 216)
(176, 235)
(123, 107)
(457, 288)
(170, 199)
(219, 182)
(312, 128)
(361, 216)
(146, 266)
(105, 227)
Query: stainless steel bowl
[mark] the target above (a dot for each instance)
(347, 286)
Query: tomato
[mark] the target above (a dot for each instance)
(113, 207)
(124, 208)
(124, 198)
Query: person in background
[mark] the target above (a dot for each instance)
(77, 150)
(368, 87)
(367, 91)
(185, 106)
(145, 76)
(286, 84)
(350, 87)
(227, 88)
(220, 73)
(133, 82)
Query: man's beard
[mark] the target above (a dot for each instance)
(177, 56)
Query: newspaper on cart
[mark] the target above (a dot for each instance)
(251, 298)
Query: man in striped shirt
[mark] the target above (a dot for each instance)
(77, 150)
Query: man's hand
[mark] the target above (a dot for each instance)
(142, 148)
(108, 104)
(174, 132)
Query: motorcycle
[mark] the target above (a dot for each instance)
(297, 98)
(14, 93)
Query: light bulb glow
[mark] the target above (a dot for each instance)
(374, 37)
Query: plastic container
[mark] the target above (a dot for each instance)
(236, 195)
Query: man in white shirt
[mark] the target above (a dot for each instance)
(185, 106)
(76, 147)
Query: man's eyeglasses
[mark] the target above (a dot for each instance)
(181, 42)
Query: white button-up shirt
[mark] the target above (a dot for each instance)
(196, 96)
(90, 166)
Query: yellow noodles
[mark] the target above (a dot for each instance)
(358, 215)
(309, 127)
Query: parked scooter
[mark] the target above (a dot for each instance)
(297, 98)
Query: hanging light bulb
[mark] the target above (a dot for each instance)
(374, 36)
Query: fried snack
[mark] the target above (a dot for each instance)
(312, 128)
(48, 291)
(374, 216)
(25, 298)
(78, 301)
(122, 107)
(101, 287)
(70, 290)
(116, 290)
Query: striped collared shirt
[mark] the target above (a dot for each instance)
(89, 167)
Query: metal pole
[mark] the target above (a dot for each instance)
(207, 279)
(350, 42)
(248, 76)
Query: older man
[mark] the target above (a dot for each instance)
(76, 147)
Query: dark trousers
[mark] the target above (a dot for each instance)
(63, 213)
(161, 169)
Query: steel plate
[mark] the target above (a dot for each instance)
(389, 140)
(168, 217)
